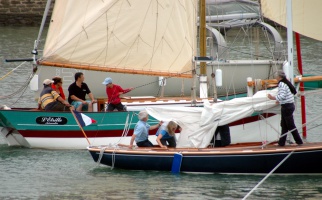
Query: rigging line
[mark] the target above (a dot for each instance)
(279, 164)
(303, 125)
(4, 76)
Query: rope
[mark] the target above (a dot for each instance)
(4, 76)
(250, 192)
(126, 129)
(101, 155)
(303, 125)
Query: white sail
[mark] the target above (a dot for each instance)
(305, 15)
(199, 123)
(153, 37)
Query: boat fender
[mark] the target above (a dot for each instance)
(176, 163)
(34, 83)
(218, 77)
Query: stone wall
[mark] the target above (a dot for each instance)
(23, 12)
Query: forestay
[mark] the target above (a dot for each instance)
(199, 123)
(126, 36)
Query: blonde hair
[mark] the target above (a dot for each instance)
(171, 125)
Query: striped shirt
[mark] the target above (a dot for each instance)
(47, 96)
(284, 94)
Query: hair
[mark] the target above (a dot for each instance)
(170, 127)
(78, 74)
(281, 74)
(56, 80)
(142, 114)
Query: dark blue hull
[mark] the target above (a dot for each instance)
(306, 161)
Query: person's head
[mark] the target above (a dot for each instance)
(57, 81)
(79, 76)
(47, 82)
(108, 82)
(280, 75)
(143, 116)
(172, 127)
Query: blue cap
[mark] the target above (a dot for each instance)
(108, 80)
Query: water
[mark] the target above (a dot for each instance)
(72, 174)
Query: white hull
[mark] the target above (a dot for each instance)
(251, 132)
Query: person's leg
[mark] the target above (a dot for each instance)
(172, 142)
(119, 107)
(289, 121)
(77, 105)
(89, 106)
(145, 143)
(110, 107)
(282, 140)
(164, 142)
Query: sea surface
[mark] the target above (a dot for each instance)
(72, 174)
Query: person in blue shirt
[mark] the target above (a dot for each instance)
(166, 134)
(141, 131)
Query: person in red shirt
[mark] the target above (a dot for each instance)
(113, 92)
(58, 86)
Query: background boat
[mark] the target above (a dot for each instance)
(260, 54)
(66, 46)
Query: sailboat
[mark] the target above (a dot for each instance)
(103, 36)
(195, 153)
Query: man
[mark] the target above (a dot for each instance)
(50, 100)
(113, 93)
(77, 93)
(141, 131)
(285, 97)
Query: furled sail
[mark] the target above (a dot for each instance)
(152, 37)
(199, 123)
(305, 15)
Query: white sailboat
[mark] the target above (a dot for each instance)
(100, 35)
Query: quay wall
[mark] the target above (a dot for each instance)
(23, 12)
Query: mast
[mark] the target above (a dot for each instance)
(290, 40)
(203, 49)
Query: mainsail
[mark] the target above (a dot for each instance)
(152, 37)
(305, 15)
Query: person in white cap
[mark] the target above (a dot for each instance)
(113, 93)
(50, 100)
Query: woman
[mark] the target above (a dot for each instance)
(166, 133)
(285, 98)
(58, 86)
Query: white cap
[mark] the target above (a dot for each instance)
(47, 81)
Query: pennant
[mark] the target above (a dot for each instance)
(83, 120)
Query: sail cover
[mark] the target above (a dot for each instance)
(305, 15)
(199, 123)
(153, 37)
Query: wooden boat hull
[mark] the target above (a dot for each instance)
(303, 159)
(109, 129)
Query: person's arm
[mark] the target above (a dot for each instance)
(132, 140)
(156, 125)
(126, 90)
(159, 141)
(63, 101)
(91, 96)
